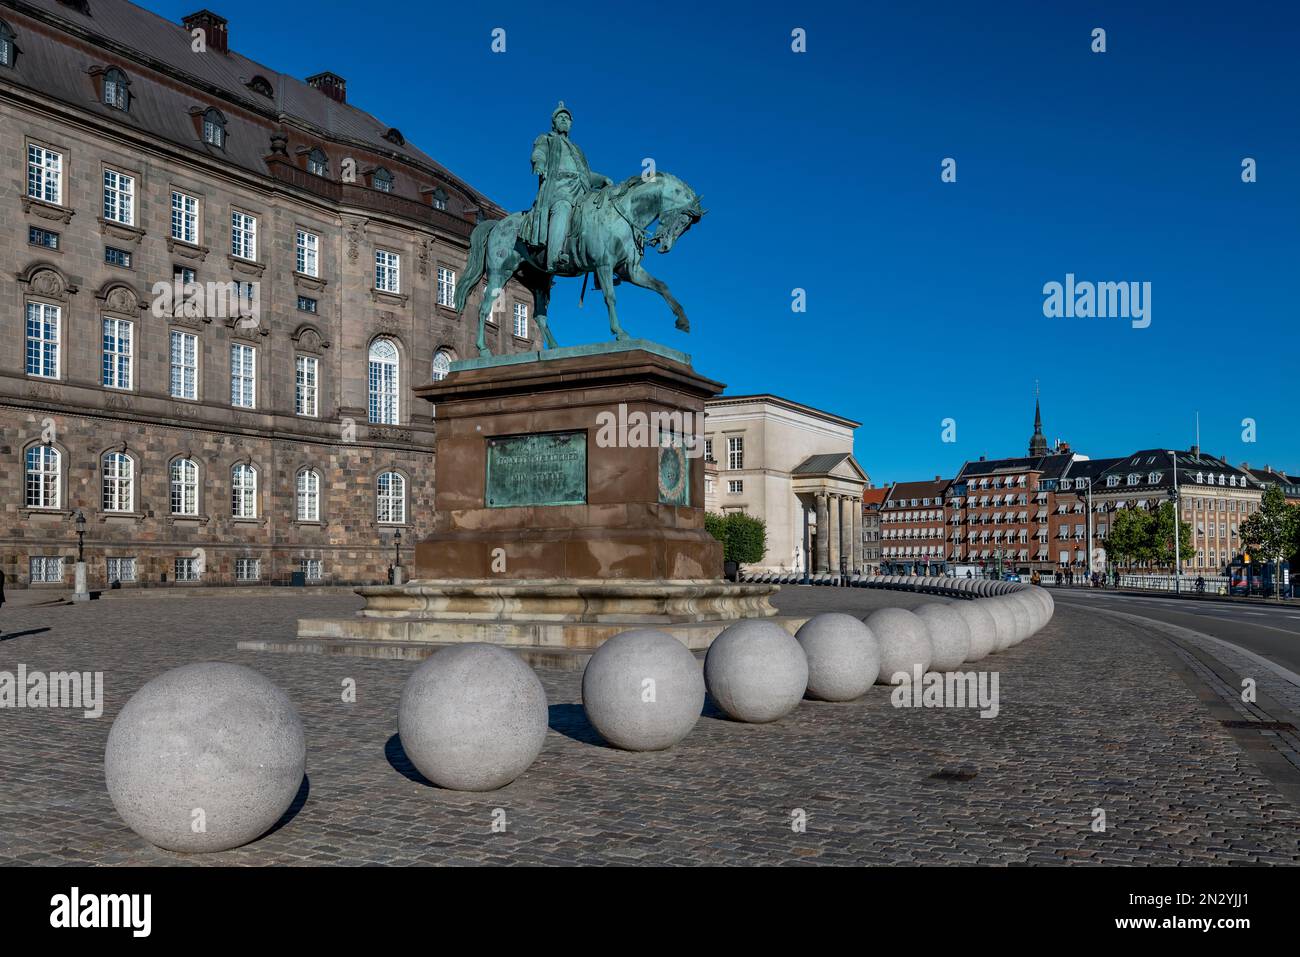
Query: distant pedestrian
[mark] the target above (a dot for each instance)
(2, 589)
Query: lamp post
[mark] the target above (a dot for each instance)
(79, 590)
(397, 557)
(1178, 518)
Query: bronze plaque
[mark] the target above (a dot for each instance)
(545, 469)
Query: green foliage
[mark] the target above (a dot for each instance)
(1161, 549)
(1139, 536)
(1273, 530)
(743, 537)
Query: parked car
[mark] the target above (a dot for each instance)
(1010, 577)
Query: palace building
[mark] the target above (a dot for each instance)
(223, 283)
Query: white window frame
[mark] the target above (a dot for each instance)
(185, 569)
(42, 477)
(306, 386)
(388, 271)
(119, 197)
(446, 287)
(390, 498)
(117, 485)
(312, 568)
(185, 218)
(307, 495)
(183, 375)
(45, 174)
(521, 320)
(117, 368)
(116, 563)
(183, 487)
(44, 345)
(307, 253)
(735, 452)
(243, 491)
(384, 384)
(243, 235)
(243, 376)
(438, 372)
(51, 567)
(242, 566)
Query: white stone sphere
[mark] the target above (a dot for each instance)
(949, 635)
(643, 690)
(1021, 614)
(1034, 609)
(1005, 621)
(210, 742)
(983, 629)
(904, 642)
(756, 671)
(843, 656)
(472, 717)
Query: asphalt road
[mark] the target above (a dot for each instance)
(1270, 632)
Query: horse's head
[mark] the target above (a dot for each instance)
(680, 209)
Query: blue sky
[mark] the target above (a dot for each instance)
(821, 171)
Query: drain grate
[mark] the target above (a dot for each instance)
(1260, 725)
(956, 774)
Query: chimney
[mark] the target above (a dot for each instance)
(214, 29)
(1196, 451)
(937, 479)
(331, 84)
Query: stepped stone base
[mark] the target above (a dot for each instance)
(540, 617)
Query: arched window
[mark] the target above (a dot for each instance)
(119, 482)
(441, 365)
(262, 86)
(390, 498)
(243, 491)
(439, 198)
(43, 477)
(116, 93)
(317, 163)
(7, 48)
(308, 496)
(383, 382)
(184, 487)
(214, 128)
(382, 180)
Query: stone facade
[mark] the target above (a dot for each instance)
(266, 166)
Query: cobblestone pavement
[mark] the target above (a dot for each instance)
(1092, 716)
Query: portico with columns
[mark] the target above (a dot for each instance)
(829, 491)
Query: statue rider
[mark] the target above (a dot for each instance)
(564, 178)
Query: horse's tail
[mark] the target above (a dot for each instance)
(476, 264)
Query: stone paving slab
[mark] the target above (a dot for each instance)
(1092, 716)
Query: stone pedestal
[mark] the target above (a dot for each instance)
(505, 510)
(568, 507)
(79, 590)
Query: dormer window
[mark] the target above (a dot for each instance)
(261, 86)
(1133, 478)
(7, 48)
(394, 136)
(439, 198)
(382, 180)
(1154, 478)
(214, 129)
(116, 94)
(317, 164)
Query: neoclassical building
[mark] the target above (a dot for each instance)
(223, 283)
(792, 466)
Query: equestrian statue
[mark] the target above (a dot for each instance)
(580, 223)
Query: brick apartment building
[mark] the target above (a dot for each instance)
(912, 528)
(256, 442)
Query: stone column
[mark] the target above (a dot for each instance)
(833, 536)
(856, 561)
(823, 535)
(846, 531)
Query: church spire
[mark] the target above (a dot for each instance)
(1037, 442)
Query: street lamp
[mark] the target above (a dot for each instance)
(80, 522)
(1178, 518)
(397, 548)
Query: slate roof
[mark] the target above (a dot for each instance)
(1051, 466)
(819, 464)
(139, 40)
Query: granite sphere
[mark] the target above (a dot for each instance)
(843, 656)
(756, 671)
(1032, 608)
(1005, 621)
(472, 717)
(1021, 615)
(205, 757)
(983, 628)
(643, 690)
(949, 635)
(904, 642)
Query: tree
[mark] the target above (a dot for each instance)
(743, 537)
(1162, 537)
(1130, 535)
(1272, 530)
